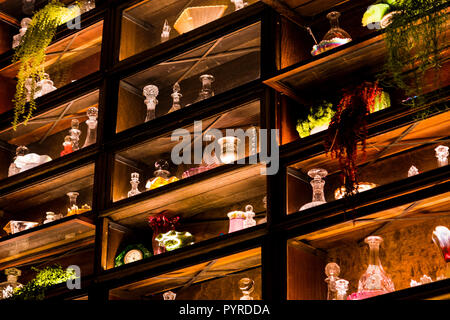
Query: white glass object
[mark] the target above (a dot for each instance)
(442, 155)
(91, 136)
(413, 171)
(206, 91)
(7, 288)
(17, 39)
(169, 295)
(247, 286)
(239, 4)
(75, 133)
(317, 184)
(335, 37)
(165, 34)
(13, 169)
(341, 289)
(249, 217)
(176, 95)
(14, 226)
(332, 271)
(44, 86)
(229, 149)
(134, 185)
(150, 92)
(51, 216)
(30, 160)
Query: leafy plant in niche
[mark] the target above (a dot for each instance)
(31, 55)
(319, 115)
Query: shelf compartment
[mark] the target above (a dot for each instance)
(407, 251)
(142, 23)
(212, 280)
(222, 58)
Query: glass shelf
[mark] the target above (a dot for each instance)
(223, 59)
(212, 280)
(143, 24)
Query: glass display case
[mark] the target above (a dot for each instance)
(149, 23)
(49, 135)
(191, 77)
(390, 250)
(234, 277)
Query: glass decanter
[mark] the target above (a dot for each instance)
(335, 37)
(249, 214)
(229, 149)
(13, 169)
(17, 39)
(341, 289)
(375, 280)
(75, 133)
(134, 185)
(169, 295)
(73, 207)
(150, 92)
(239, 4)
(165, 34)
(67, 146)
(7, 287)
(332, 271)
(317, 184)
(176, 95)
(247, 286)
(91, 123)
(45, 85)
(442, 155)
(206, 91)
(161, 176)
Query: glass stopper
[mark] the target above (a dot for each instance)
(247, 286)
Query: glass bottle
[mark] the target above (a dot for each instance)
(317, 184)
(341, 289)
(375, 280)
(206, 91)
(412, 171)
(335, 37)
(332, 271)
(67, 146)
(176, 95)
(150, 92)
(229, 149)
(17, 39)
(247, 286)
(161, 176)
(7, 287)
(249, 217)
(169, 295)
(442, 155)
(91, 123)
(51, 216)
(165, 34)
(73, 208)
(239, 4)
(134, 185)
(13, 169)
(75, 133)
(45, 85)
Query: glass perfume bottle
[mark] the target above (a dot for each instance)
(332, 271)
(7, 287)
(161, 176)
(247, 286)
(169, 295)
(176, 95)
(229, 149)
(45, 85)
(442, 155)
(75, 133)
(134, 185)
(165, 34)
(67, 146)
(17, 39)
(239, 4)
(91, 136)
(206, 91)
(150, 92)
(335, 37)
(341, 289)
(249, 217)
(317, 184)
(51, 216)
(13, 169)
(375, 280)
(73, 207)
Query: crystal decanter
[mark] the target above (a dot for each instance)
(44, 86)
(150, 92)
(206, 91)
(239, 4)
(332, 271)
(91, 123)
(249, 217)
(7, 287)
(161, 176)
(67, 146)
(165, 34)
(134, 185)
(13, 169)
(375, 280)
(442, 155)
(317, 184)
(176, 95)
(335, 37)
(17, 39)
(341, 289)
(73, 207)
(169, 295)
(247, 286)
(75, 133)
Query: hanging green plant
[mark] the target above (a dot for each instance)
(45, 278)
(319, 115)
(31, 55)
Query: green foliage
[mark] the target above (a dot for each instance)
(318, 115)
(31, 55)
(45, 278)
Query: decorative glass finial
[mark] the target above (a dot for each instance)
(413, 171)
(150, 92)
(249, 221)
(239, 4)
(341, 289)
(20, 151)
(75, 133)
(165, 35)
(332, 271)
(317, 184)
(247, 286)
(206, 91)
(176, 95)
(91, 136)
(169, 295)
(134, 185)
(442, 155)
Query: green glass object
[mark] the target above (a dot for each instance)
(132, 253)
(173, 240)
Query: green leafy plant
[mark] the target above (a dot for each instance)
(45, 278)
(31, 55)
(319, 115)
